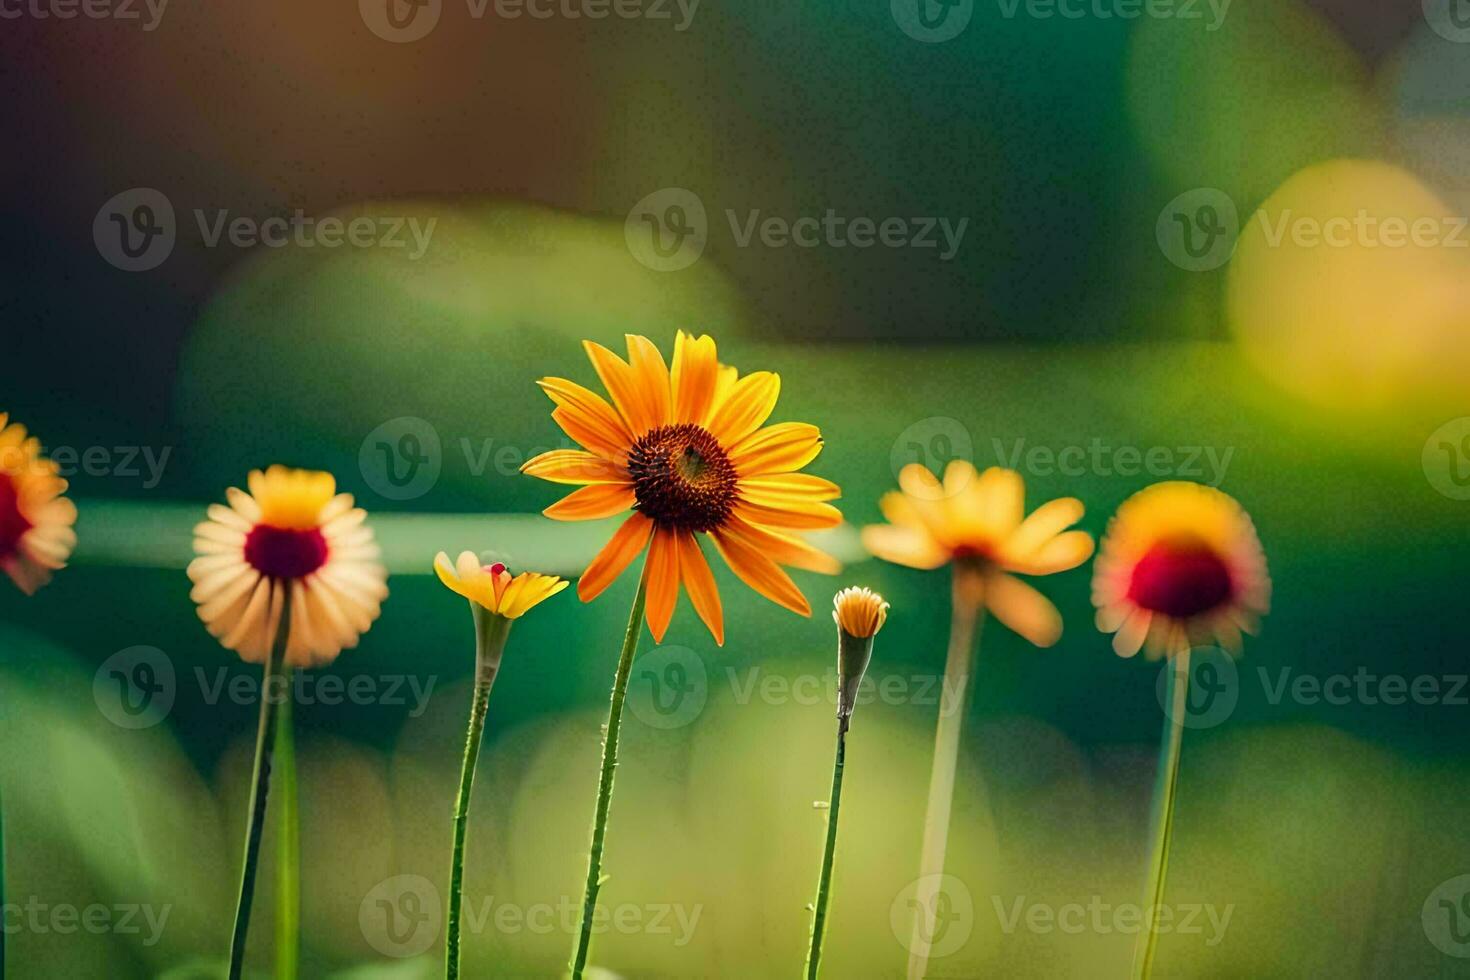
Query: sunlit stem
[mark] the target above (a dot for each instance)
(265, 737)
(490, 635)
(964, 629)
(2, 886)
(605, 783)
(824, 882)
(1145, 946)
(288, 840)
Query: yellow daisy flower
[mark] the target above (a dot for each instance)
(688, 451)
(978, 523)
(491, 586)
(36, 521)
(1180, 565)
(291, 535)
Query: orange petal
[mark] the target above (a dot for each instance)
(624, 385)
(663, 581)
(1023, 609)
(592, 502)
(760, 573)
(747, 407)
(696, 370)
(699, 582)
(802, 485)
(594, 439)
(615, 556)
(782, 548)
(574, 466)
(904, 546)
(1059, 554)
(1043, 523)
(589, 412)
(810, 515)
(781, 448)
(652, 376)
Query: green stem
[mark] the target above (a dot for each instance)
(288, 842)
(605, 783)
(2, 887)
(490, 635)
(1163, 818)
(824, 883)
(964, 627)
(265, 736)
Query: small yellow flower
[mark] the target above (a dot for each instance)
(859, 612)
(492, 588)
(978, 523)
(687, 449)
(291, 536)
(36, 535)
(1180, 564)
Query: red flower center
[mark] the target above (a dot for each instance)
(13, 524)
(282, 553)
(1182, 577)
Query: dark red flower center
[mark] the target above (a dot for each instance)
(1180, 577)
(682, 477)
(284, 553)
(13, 524)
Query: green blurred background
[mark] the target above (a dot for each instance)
(1311, 384)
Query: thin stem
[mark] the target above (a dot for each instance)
(963, 631)
(1163, 818)
(490, 635)
(605, 783)
(265, 737)
(824, 883)
(288, 841)
(2, 887)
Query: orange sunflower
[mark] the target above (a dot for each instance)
(36, 535)
(686, 448)
(1180, 565)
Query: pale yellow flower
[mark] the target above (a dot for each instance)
(491, 586)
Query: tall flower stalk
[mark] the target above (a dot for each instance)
(859, 614)
(288, 838)
(287, 576)
(1180, 566)
(496, 601)
(687, 449)
(976, 523)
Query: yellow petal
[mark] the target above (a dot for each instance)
(1023, 609)
(575, 467)
(592, 503)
